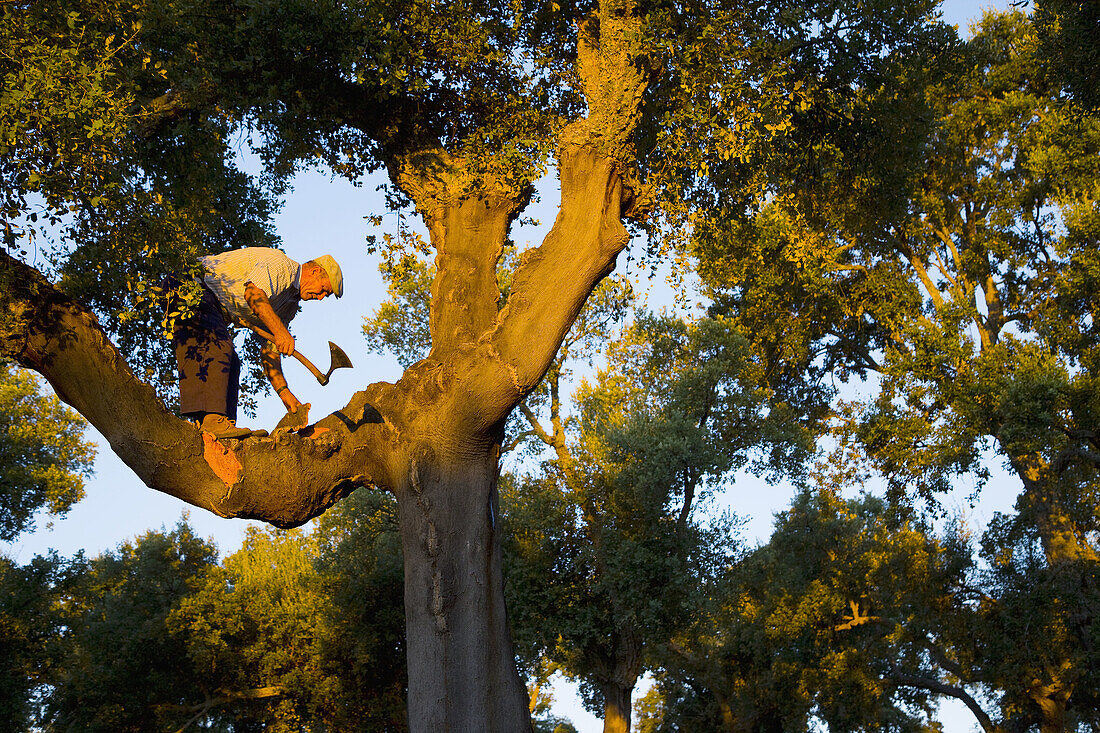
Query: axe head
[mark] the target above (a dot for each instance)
(337, 360)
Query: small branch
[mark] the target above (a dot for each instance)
(945, 270)
(536, 426)
(258, 693)
(554, 375)
(940, 657)
(512, 444)
(943, 688)
(690, 482)
(922, 274)
(855, 619)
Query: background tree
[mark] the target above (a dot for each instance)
(44, 457)
(1036, 635)
(249, 634)
(292, 632)
(299, 632)
(1069, 34)
(120, 670)
(611, 518)
(31, 627)
(850, 615)
(970, 298)
(361, 635)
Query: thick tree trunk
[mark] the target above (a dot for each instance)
(1052, 699)
(622, 671)
(462, 671)
(1064, 544)
(1054, 716)
(616, 708)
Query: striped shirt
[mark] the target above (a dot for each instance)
(268, 269)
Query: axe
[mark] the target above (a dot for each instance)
(337, 358)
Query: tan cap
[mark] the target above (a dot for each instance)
(335, 277)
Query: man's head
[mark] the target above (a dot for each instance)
(321, 277)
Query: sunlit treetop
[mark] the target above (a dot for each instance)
(44, 457)
(969, 292)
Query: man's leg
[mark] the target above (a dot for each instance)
(209, 370)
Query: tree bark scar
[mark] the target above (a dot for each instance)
(493, 354)
(431, 546)
(432, 540)
(222, 461)
(437, 600)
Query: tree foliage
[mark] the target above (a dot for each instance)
(611, 518)
(121, 670)
(292, 632)
(845, 617)
(146, 100)
(1035, 640)
(44, 457)
(62, 115)
(361, 637)
(1069, 34)
(972, 310)
(31, 629)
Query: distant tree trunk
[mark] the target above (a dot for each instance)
(729, 720)
(619, 685)
(616, 708)
(1063, 543)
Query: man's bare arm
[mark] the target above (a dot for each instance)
(272, 362)
(270, 355)
(261, 306)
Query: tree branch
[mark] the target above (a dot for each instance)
(940, 656)
(551, 283)
(285, 479)
(512, 444)
(259, 693)
(536, 426)
(922, 274)
(468, 213)
(943, 688)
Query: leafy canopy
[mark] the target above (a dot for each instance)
(44, 457)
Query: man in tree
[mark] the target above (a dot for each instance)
(256, 287)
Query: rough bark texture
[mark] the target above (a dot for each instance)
(433, 438)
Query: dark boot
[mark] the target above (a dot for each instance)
(221, 426)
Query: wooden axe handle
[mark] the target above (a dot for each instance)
(305, 362)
